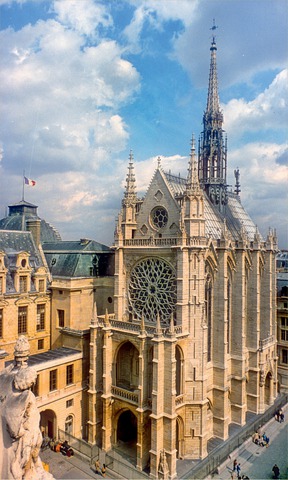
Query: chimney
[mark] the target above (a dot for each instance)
(34, 226)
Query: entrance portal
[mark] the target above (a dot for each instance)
(127, 427)
(48, 423)
(127, 436)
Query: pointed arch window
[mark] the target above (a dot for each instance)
(228, 313)
(179, 371)
(208, 307)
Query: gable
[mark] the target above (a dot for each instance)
(159, 213)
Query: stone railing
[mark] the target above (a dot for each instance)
(134, 327)
(266, 342)
(131, 397)
(150, 242)
(165, 242)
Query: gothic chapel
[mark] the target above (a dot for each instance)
(191, 346)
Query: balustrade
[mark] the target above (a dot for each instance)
(131, 397)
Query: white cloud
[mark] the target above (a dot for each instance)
(83, 16)
(267, 111)
(61, 100)
(250, 37)
(155, 13)
(263, 185)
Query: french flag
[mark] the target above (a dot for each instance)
(30, 182)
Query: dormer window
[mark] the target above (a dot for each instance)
(23, 283)
(41, 285)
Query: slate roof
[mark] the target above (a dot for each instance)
(235, 215)
(14, 242)
(83, 258)
(50, 355)
(22, 211)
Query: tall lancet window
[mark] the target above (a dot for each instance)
(228, 313)
(209, 307)
(179, 370)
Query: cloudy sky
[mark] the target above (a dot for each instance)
(83, 82)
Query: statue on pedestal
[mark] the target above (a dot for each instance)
(20, 436)
(163, 469)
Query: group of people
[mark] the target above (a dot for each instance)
(237, 471)
(279, 416)
(98, 469)
(261, 440)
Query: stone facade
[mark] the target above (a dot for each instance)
(191, 346)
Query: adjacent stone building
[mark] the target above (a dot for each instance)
(47, 291)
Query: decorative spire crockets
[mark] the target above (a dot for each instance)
(212, 163)
(193, 185)
(130, 190)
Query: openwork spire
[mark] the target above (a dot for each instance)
(130, 190)
(212, 165)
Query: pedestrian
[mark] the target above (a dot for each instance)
(97, 466)
(103, 470)
(276, 471)
(265, 439)
(234, 465)
(238, 470)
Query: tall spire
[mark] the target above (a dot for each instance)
(130, 193)
(213, 97)
(212, 145)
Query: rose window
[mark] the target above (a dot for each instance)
(152, 290)
(159, 216)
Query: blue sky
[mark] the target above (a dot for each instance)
(84, 81)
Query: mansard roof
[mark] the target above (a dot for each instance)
(82, 258)
(13, 242)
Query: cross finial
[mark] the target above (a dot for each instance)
(213, 28)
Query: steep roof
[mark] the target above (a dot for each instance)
(82, 258)
(12, 243)
(236, 217)
(22, 211)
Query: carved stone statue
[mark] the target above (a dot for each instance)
(163, 469)
(20, 436)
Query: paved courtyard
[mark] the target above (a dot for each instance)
(256, 462)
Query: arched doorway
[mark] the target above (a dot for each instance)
(179, 437)
(127, 436)
(48, 423)
(127, 427)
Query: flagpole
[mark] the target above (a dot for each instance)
(23, 185)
